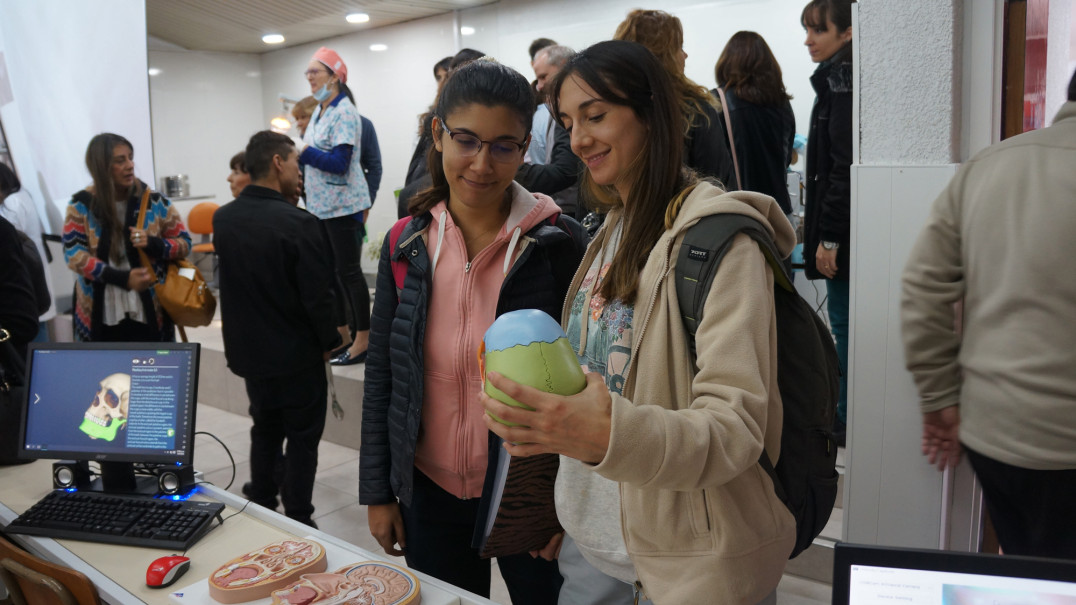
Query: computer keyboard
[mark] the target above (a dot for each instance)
(118, 519)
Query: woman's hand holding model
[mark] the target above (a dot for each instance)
(577, 426)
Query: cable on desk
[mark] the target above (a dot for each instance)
(226, 451)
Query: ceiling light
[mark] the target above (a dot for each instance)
(273, 38)
(378, 47)
(357, 18)
(154, 71)
(466, 30)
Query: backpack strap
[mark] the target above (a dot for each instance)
(399, 266)
(704, 245)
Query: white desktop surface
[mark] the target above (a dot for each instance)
(119, 572)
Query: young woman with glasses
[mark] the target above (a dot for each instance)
(476, 245)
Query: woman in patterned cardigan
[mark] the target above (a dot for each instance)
(102, 238)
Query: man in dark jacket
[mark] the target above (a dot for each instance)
(278, 322)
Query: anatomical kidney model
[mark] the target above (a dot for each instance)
(369, 583)
(107, 413)
(258, 573)
(529, 347)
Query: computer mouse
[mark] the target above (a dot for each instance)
(166, 570)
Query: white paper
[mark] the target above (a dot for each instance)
(187, 272)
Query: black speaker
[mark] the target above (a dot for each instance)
(175, 479)
(68, 474)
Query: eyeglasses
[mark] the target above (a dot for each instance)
(468, 145)
(314, 72)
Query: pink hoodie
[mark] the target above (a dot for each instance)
(452, 442)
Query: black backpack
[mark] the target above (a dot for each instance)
(805, 477)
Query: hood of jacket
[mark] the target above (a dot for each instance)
(706, 199)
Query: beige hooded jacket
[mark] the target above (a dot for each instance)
(701, 520)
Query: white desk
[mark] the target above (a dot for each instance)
(119, 572)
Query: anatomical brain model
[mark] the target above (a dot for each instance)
(370, 583)
(258, 573)
(107, 413)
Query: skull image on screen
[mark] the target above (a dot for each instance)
(107, 413)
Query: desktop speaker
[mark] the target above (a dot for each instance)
(174, 479)
(68, 474)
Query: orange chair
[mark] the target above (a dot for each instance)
(200, 222)
(35, 581)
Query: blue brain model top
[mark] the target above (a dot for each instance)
(522, 327)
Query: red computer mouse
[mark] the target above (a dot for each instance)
(166, 570)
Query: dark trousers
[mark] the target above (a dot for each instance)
(1031, 509)
(129, 330)
(345, 240)
(438, 528)
(288, 407)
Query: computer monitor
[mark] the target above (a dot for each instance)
(879, 575)
(113, 403)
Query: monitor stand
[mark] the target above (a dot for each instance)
(120, 478)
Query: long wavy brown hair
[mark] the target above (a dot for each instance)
(627, 74)
(748, 68)
(103, 194)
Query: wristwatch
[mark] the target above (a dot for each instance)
(830, 245)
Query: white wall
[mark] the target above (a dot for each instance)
(204, 108)
(69, 82)
(1058, 56)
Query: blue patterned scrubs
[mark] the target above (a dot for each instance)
(331, 195)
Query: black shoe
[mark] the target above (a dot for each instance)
(345, 359)
(270, 503)
(840, 433)
(338, 352)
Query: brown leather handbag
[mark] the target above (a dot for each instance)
(188, 301)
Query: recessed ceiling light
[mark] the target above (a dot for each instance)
(154, 71)
(379, 47)
(466, 30)
(272, 38)
(357, 18)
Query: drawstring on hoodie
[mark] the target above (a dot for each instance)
(512, 243)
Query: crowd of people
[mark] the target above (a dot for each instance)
(569, 194)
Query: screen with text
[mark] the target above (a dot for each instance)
(107, 402)
(870, 585)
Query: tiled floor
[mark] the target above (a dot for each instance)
(336, 487)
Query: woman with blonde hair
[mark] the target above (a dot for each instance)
(706, 148)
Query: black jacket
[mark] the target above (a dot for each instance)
(706, 149)
(763, 135)
(392, 402)
(276, 277)
(18, 308)
(829, 162)
(560, 177)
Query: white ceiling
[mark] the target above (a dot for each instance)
(238, 25)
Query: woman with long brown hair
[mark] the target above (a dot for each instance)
(114, 300)
(762, 123)
(659, 489)
(706, 148)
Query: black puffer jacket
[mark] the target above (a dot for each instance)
(392, 402)
(829, 162)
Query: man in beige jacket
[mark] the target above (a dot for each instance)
(1002, 238)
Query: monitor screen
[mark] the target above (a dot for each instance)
(111, 402)
(868, 575)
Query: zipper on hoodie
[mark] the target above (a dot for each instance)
(467, 267)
